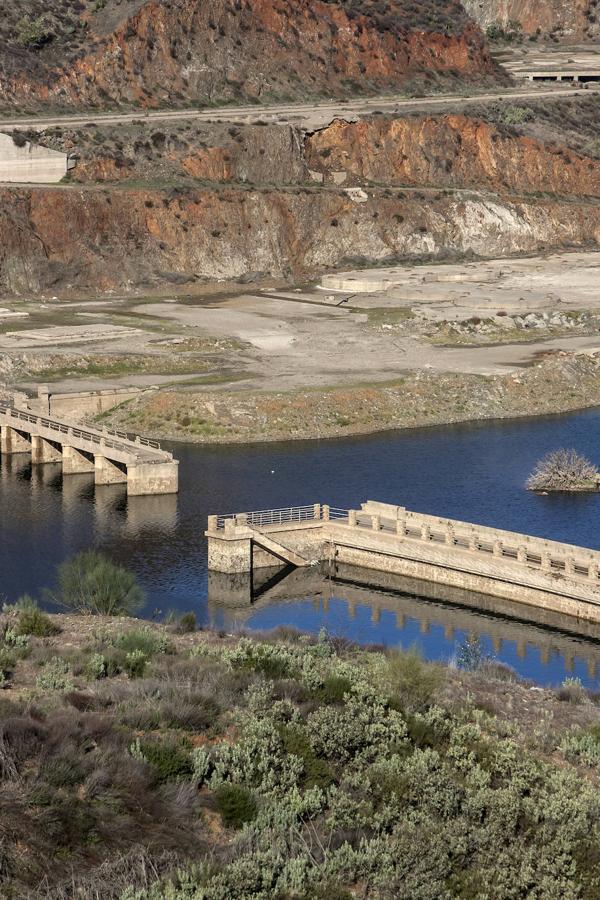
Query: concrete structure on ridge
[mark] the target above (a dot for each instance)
(23, 162)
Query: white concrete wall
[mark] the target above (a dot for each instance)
(30, 164)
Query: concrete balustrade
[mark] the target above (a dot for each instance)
(113, 458)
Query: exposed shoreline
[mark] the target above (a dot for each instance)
(558, 384)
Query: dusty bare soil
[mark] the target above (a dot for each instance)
(398, 347)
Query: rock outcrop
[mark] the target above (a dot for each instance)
(174, 52)
(79, 239)
(454, 151)
(575, 19)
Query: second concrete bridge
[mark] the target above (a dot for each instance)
(387, 538)
(113, 457)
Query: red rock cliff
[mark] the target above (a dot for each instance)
(454, 151)
(80, 238)
(567, 18)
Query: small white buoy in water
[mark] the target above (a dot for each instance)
(272, 471)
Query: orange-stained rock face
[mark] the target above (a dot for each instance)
(454, 151)
(80, 239)
(252, 49)
(212, 164)
(569, 18)
(445, 151)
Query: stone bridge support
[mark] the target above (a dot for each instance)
(76, 462)
(13, 441)
(45, 451)
(108, 472)
(152, 478)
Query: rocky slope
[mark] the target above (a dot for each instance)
(91, 238)
(567, 19)
(454, 151)
(475, 149)
(185, 51)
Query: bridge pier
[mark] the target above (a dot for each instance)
(45, 451)
(13, 441)
(152, 478)
(108, 472)
(76, 462)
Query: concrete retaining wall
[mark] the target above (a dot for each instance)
(80, 405)
(31, 163)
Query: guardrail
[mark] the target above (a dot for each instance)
(99, 438)
(315, 512)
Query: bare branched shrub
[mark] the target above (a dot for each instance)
(563, 470)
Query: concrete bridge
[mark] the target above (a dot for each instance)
(112, 456)
(521, 569)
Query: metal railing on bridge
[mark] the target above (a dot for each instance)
(315, 512)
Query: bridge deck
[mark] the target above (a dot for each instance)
(114, 445)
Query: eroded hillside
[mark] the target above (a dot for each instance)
(551, 146)
(174, 52)
(83, 238)
(200, 201)
(561, 19)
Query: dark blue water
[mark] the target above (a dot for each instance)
(473, 472)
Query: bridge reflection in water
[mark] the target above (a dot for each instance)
(152, 511)
(376, 607)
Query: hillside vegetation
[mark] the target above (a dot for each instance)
(106, 52)
(143, 762)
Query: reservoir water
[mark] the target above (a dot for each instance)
(473, 472)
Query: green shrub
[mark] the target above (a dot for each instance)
(62, 771)
(517, 115)
(95, 667)
(8, 659)
(572, 691)
(271, 660)
(187, 623)
(317, 772)
(135, 663)
(583, 745)
(145, 640)
(424, 734)
(91, 583)
(55, 676)
(409, 680)
(33, 33)
(167, 760)
(333, 689)
(35, 623)
(191, 713)
(236, 805)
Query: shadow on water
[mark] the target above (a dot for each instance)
(473, 472)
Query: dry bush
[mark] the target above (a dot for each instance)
(563, 470)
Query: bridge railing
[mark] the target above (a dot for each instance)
(103, 438)
(549, 557)
(315, 512)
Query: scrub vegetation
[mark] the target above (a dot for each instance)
(157, 762)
